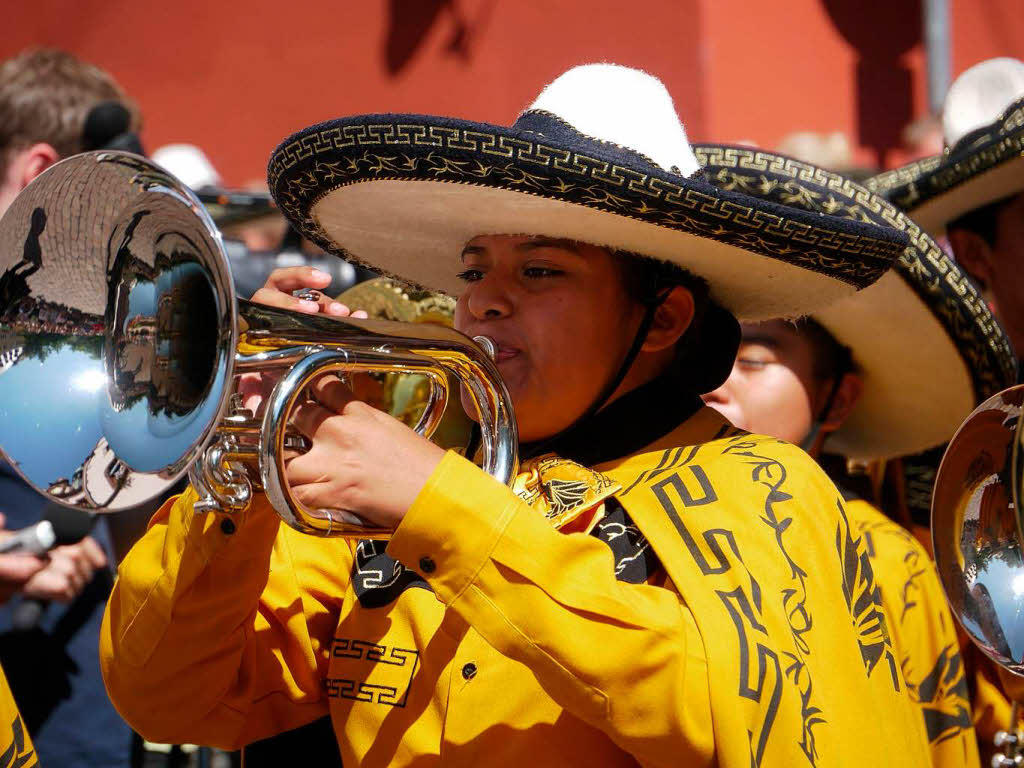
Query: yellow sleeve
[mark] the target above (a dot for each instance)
(16, 748)
(208, 637)
(611, 653)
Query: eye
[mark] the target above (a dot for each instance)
(750, 364)
(470, 275)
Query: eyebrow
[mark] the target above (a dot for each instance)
(533, 244)
(550, 242)
(762, 339)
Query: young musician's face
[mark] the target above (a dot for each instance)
(772, 389)
(560, 315)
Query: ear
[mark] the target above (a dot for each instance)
(973, 254)
(847, 396)
(671, 319)
(31, 162)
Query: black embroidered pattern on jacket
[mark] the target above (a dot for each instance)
(863, 598)
(942, 693)
(378, 578)
(635, 561)
(771, 474)
(18, 753)
(944, 698)
(716, 553)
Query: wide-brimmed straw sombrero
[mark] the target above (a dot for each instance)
(922, 337)
(983, 127)
(600, 157)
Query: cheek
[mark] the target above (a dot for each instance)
(776, 403)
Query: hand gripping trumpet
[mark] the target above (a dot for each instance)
(121, 339)
(977, 526)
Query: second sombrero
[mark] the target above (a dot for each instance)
(924, 341)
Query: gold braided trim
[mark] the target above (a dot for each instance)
(947, 291)
(915, 183)
(339, 155)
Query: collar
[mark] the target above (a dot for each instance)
(630, 423)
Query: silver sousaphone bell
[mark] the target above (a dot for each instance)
(121, 339)
(978, 536)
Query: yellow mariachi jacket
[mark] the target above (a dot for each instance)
(16, 748)
(923, 632)
(506, 642)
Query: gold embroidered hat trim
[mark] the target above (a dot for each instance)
(925, 341)
(986, 165)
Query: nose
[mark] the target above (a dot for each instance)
(719, 396)
(489, 298)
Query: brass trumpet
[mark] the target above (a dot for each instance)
(121, 339)
(978, 538)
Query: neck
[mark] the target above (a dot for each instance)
(645, 368)
(633, 420)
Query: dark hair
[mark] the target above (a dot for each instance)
(984, 221)
(45, 96)
(832, 360)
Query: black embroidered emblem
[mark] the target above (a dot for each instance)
(564, 495)
(390, 668)
(379, 579)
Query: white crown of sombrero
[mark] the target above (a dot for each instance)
(983, 130)
(659, 134)
(924, 341)
(600, 157)
(979, 96)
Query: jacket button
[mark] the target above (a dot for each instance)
(227, 526)
(469, 671)
(427, 564)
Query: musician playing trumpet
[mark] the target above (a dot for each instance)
(656, 588)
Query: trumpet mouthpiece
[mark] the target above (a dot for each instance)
(486, 343)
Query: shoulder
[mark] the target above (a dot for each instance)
(709, 451)
(885, 539)
(768, 462)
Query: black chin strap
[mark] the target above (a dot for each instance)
(808, 442)
(530, 450)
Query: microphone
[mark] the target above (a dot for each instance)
(59, 526)
(108, 126)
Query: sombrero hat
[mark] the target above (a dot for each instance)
(983, 127)
(193, 168)
(600, 157)
(925, 342)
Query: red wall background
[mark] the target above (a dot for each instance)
(235, 78)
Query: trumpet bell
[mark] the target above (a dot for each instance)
(117, 331)
(977, 531)
(121, 340)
